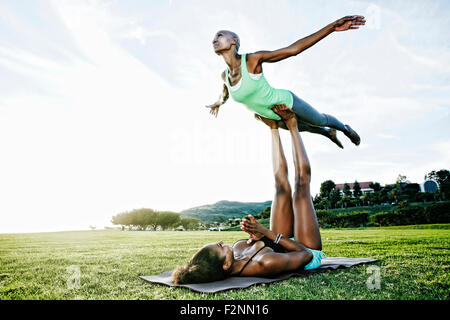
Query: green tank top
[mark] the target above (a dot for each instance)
(258, 95)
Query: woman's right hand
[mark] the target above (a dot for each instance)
(253, 228)
(214, 109)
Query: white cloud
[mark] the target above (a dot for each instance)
(142, 34)
(105, 132)
(387, 136)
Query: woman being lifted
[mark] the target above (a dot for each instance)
(244, 80)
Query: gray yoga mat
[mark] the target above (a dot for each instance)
(244, 282)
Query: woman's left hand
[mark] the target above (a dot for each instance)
(253, 227)
(348, 23)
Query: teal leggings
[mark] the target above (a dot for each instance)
(313, 117)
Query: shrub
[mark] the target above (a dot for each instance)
(356, 219)
(327, 219)
(386, 218)
(438, 212)
(411, 215)
(405, 215)
(352, 219)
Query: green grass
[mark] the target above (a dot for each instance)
(414, 264)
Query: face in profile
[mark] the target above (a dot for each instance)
(223, 251)
(223, 40)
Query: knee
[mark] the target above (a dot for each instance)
(282, 186)
(302, 183)
(305, 173)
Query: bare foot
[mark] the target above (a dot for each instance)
(352, 135)
(333, 137)
(286, 114)
(270, 122)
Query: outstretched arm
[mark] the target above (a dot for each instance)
(214, 108)
(345, 23)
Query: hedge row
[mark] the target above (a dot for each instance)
(342, 220)
(436, 213)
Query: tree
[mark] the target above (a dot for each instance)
(325, 188)
(189, 223)
(366, 199)
(324, 203)
(334, 197)
(142, 218)
(442, 177)
(357, 190)
(263, 214)
(411, 191)
(139, 218)
(149, 218)
(317, 200)
(123, 218)
(166, 219)
(347, 191)
(402, 179)
(375, 186)
(344, 201)
(375, 197)
(401, 192)
(393, 196)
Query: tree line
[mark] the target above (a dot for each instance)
(149, 219)
(403, 190)
(330, 197)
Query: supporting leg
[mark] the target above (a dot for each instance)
(306, 227)
(281, 215)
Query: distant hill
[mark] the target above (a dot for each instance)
(224, 210)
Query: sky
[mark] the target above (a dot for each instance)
(102, 103)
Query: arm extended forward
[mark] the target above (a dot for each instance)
(343, 24)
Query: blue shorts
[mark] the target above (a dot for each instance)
(316, 259)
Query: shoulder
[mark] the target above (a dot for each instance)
(253, 61)
(253, 57)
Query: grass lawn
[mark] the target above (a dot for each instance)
(414, 264)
